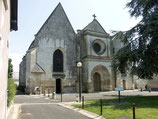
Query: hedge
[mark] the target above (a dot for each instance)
(11, 91)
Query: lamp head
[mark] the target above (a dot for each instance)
(79, 64)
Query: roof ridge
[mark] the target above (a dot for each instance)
(59, 4)
(48, 17)
(94, 20)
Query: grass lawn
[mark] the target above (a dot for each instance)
(146, 107)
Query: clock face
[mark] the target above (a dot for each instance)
(98, 46)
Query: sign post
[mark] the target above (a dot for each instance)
(119, 96)
(119, 89)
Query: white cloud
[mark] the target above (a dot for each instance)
(132, 23)
(16, 59)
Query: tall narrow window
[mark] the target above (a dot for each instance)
(58, 61)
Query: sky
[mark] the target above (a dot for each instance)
(111, 14)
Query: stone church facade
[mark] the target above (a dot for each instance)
(50, 62)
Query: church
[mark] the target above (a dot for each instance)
(51, 59)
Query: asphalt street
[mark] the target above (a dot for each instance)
(34, 99)
(71, 97)
(48, 111)
(43, 107)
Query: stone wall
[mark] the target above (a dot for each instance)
(126, 81)
(153, 84)
(4, 40)
(55, 34)
(22, 74)
(141, 83)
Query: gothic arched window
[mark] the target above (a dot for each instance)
(58, 61)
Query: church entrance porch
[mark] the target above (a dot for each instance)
(100, 79)
(97, 82)
(124, 84)
(58, 85)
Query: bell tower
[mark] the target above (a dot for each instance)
(95, 51)
(95, 41)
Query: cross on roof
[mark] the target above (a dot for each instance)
(94, 16)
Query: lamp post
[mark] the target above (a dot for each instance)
(79, 65)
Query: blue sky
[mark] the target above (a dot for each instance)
(111, 14)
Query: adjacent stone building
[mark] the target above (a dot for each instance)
(8, 21)
(50, 62)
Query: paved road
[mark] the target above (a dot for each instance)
(43, 107)
(40, 107)
(48, 111)
(105, 95)
(34, 99)
(88, 96)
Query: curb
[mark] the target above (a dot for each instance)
(81, 111)
(14, 111)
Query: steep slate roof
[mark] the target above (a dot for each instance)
(95, 27)
(58, 22)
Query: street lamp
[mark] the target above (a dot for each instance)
(79, 65)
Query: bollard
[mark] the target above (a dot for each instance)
(77, 99)
(52, 95)
(44, 92)
(61, 97)
(48, 92)
(119, 96)
(31, 92)
(82, 102)
(133, 110)
(101, 107)
(149, 90)
(141, 90)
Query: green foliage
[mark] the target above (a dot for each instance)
(10, 68)
(146, 107)
(11, 91)
(11, 85)
(141, 42)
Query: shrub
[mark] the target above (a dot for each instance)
(11, 91)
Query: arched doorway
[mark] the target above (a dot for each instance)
(58, 61)
(100, 77)
(97, 82)
(58, 85)
(124, 84)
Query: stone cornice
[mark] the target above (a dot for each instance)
(88, 32)
(95, 58)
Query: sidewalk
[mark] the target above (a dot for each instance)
(83, 112)
(69, 99)
(13, 111)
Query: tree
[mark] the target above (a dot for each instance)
(10, 68)
(140, 50)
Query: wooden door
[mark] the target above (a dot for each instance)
(58, 85)
(124, 84)
(97, 82)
